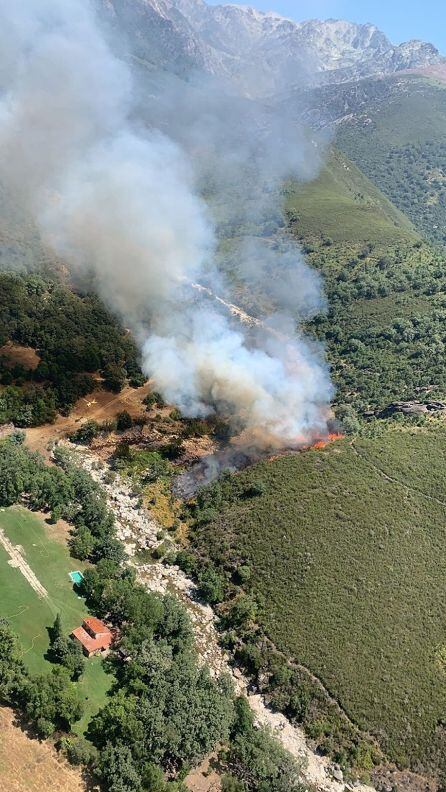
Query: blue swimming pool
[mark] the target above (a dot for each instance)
(76, 577)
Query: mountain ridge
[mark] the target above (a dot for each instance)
(262, 53)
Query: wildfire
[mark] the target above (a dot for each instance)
(303, 445)
(326, 441)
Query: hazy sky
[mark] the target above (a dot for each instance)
(399, 19)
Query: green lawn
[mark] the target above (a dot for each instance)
(29, 615)
(349, 569)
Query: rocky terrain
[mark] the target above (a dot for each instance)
(261, 53)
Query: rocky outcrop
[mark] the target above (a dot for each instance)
(413, 408)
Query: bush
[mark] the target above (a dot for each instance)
(78, 750)
(154, 399)
(173, 450)
(86, 433)
(187, 562)
(231, 784)
(124, 421)
(211, 585)
(257, 760)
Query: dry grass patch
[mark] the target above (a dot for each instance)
(27, 765)
(15, 354)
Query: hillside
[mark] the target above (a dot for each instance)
(250, 296)
(385, 289)
(355, 595)
(398, 141)
(311, 552)
(345, 206)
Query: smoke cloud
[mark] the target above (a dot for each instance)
(153, 184)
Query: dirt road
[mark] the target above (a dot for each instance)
(17, 561)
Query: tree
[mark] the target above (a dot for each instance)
(167, 708)
(56, 632)
(86, 433)
(52, 701)
(117, 721)
(68, 653)
(13, 675)
(257, 759)
(114, 377)
(211, 585)
(82, 544)
(118, 769)
(347, 415)
(124, 421)
(241, 612)
(153, 778)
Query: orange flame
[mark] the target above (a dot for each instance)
(305, 446)
(325, 442)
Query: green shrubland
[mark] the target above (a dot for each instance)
(346, 584)
(399, 144)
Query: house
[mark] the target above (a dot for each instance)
(94, 636)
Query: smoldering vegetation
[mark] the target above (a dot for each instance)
(138, 181)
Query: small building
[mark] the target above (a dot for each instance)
(94, 636)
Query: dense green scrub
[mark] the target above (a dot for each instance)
(343, 205)
(74, 336)
(344, 549)
(385, 331)
(384, 328)
(399, 144)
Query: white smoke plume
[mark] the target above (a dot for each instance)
(118, 193)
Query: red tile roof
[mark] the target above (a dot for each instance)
(89, 643)
(96, 626)
(95, 637)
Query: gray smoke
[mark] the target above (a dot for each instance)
(117, 176)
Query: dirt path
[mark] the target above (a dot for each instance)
(137, 529)
(100, 405)
(19, 562)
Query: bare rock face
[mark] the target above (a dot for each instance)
(259, 53)
(154, 32)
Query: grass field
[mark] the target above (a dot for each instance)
(346, 547)
(30, 615)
